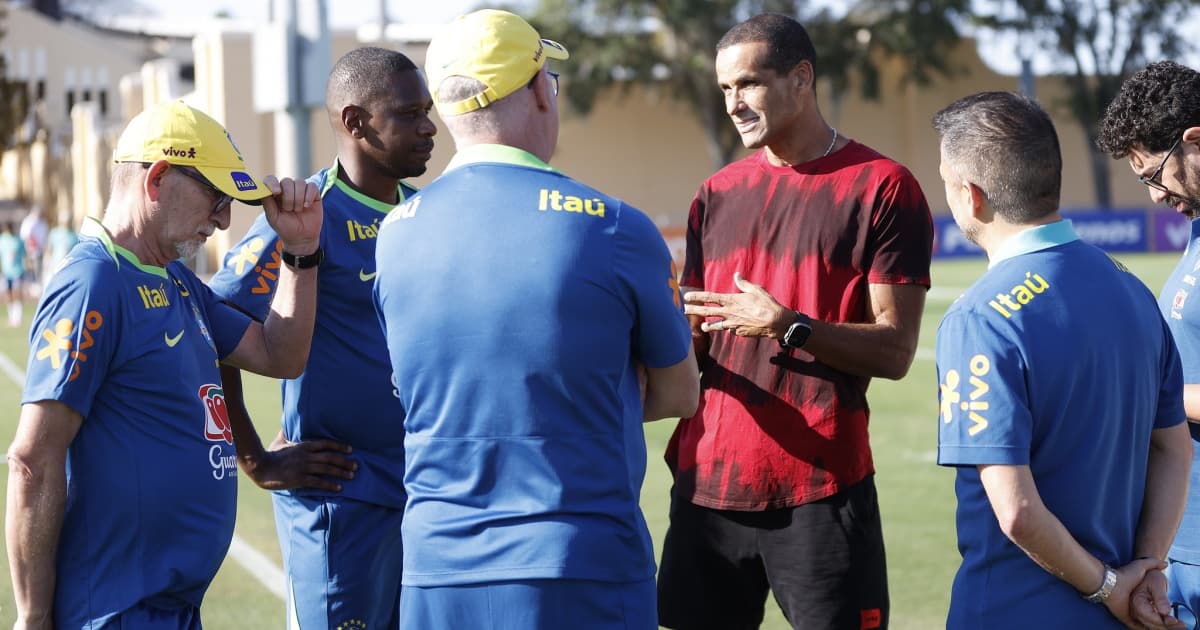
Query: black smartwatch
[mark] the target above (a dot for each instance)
(797, 334)
(302, 262)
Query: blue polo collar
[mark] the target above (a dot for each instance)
(497, 153)
(1034, 239)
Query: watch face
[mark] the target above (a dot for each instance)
(797, 334)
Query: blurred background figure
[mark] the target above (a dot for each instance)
(59, 241)
(12, 268)
(33, 234)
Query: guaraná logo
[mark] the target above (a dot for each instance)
(216, 414)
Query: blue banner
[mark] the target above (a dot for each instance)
(1141, 230)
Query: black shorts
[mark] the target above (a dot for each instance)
(824, 562)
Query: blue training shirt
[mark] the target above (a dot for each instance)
(344, 393)
(1058, 359)
(152, 473)
(516, 303)
(1182, 312)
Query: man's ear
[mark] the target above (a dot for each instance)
(354, 121)
(1191, 135)
(541, 91)
(803, 75)
(152, 185)
(978, 199)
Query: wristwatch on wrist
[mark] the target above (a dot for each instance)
(302, 262)
(797, 334)
(1106, 589)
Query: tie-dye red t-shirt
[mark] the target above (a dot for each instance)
(774, 428)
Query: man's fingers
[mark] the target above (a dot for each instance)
(339, 461)
(272, 184)
(326, 445)
(745, 286)
(287, 194)
(704, 311)
(329, 470)
(310, 193)
(707, 297)
(313, 459)
(320, 483)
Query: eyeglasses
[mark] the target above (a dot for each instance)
(223, 200)
(1152, 181)
(553, 75)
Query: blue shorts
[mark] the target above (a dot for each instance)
(552, 604)
(343, 562)
(1183, 587)
(145, 617)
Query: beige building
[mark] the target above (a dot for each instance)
(642, 146)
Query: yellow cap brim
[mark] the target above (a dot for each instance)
(239, 184)
(555, 50)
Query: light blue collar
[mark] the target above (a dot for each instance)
(496, 153)
(1034, 239)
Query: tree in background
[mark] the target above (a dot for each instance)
(669, 47)
(14, 96)
(1097, 46)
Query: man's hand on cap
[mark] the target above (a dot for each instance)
(294, 211)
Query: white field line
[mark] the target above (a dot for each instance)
(252, 560)
(944, 294)
(259, 566)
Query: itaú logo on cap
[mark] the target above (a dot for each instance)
(243, 181)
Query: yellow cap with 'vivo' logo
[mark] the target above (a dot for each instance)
(186, 136)
(496, 48)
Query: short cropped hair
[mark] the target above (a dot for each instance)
(1005, 144)
(787, 42)
(1152, 110)
(358, 77)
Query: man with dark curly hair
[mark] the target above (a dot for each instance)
(1155, 122)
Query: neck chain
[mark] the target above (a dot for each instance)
(831, 142)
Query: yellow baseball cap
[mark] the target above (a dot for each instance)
(186, 136)
(496, 48)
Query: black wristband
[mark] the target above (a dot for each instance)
(302, 262)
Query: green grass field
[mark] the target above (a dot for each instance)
(917, 496)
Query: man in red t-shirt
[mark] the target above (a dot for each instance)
(806, 272)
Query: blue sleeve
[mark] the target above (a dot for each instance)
(642, 262)
(984, 411)
(74, 335)
(1170, 396)
(250, 271)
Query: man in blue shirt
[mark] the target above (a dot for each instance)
(1155, 122)
(1061, 396)
(12, 270)
(533, 323)
(123, 483)
(339, 520)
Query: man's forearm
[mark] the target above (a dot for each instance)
(1030, 525)
(33, 521)
(872, 350)
(1166, 491)
(245, 437)
(288, 329)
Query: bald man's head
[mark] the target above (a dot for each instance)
(360, 78)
